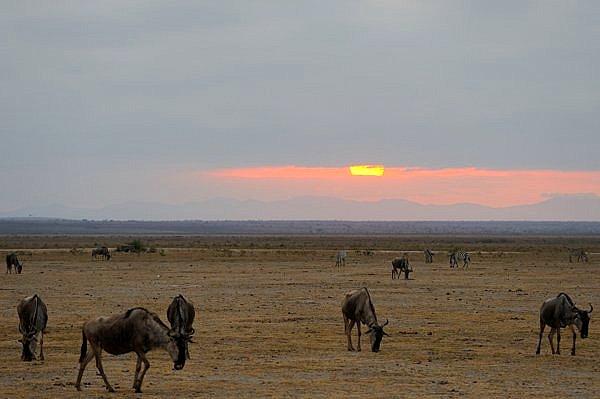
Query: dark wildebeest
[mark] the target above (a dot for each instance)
(13, 260)
(136, 330)
(103, 252)
(33, 317)
(428, 255)
(401, 265)
(561, 312)
(181, 315)
(358, 308)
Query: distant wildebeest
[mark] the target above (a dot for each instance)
(13, 260)
(102, 252)
(578, 253)
(357, 307)
(33, 317)
(456, 256)
(401, 265)
(428, 255)
(181, 314)
(340, 259)
(136, 330)
(561, 312)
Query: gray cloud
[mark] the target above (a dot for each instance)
(218, 84)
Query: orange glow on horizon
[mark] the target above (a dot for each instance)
(367, 170)
(442, 186)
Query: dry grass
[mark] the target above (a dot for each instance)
(269, 322)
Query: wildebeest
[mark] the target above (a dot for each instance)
(137, 330)
(103, 252)
(401, 265)
(357, 307)
(428, 255)
(33, 317)
(561, 312)
(456, 256)
(340, 258)
(181, 314)
(578, 253)
(13, 260)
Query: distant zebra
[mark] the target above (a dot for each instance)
(428, 255)
(457, 256)
(579, 253)
(340, 259)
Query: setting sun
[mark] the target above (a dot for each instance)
(366, 170)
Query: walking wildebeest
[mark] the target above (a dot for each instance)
(181, 315)
(561, 312)
(137, 330)
(358, 308)
(401, 265)
(33, 317)
(103, 252)
(13, 260)
(340, 259)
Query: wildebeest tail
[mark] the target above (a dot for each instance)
(83, 347)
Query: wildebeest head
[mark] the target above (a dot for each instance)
(177, 348)
(582, 320)
(30, 346)
(376, 334)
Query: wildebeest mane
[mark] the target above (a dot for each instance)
(370, 303)
(149, 313)
(567, 297)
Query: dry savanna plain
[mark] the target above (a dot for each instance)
(269, 322)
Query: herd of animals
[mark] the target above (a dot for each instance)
(140, 331)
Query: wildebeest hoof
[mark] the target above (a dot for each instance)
(138, 390)
(573, 353)
(110, 389)
(78, 387)
(351, 349)
(358, 349)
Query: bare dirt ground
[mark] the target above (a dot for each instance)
(269, 322)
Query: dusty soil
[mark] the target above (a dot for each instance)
(269, 322)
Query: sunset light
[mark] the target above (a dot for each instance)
(366, 170)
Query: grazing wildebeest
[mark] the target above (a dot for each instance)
(33, 317)
(579, 253)
(340, 259)
(561, 312)
(136, 330)
(428, 255)
(357, 307)
(13, 260)
(456, 256)
(103, 252)
(181, 314)
(401, 265)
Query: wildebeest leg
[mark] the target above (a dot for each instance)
(101, 370)
(138, 388)
(574, 338)
(42, 347)
(558, 341)
(138, 367)
(88, 358)
(551, 339)
(359, 334)
(349, 334)
(542, 327)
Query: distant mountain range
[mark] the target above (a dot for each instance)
(584, 207)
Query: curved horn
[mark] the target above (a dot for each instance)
(591, 308)
(386, 323)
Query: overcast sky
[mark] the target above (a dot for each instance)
(104, 102)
